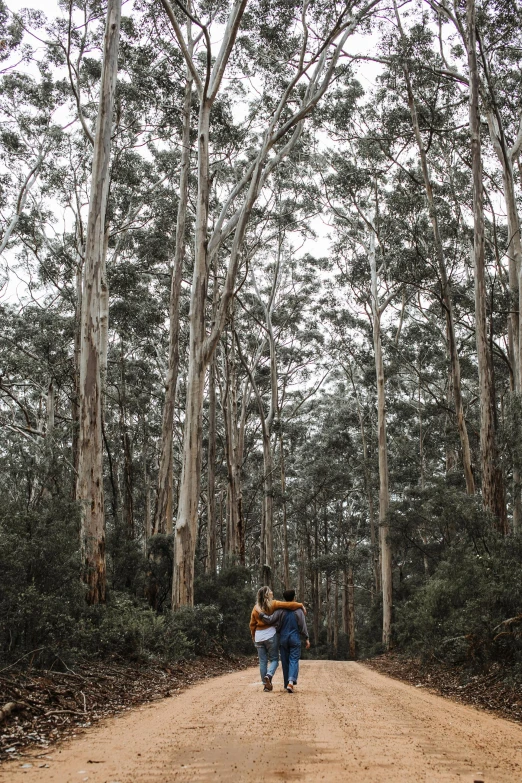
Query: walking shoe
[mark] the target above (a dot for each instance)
(268, 682)
(290, 687)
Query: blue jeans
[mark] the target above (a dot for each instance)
(290, 647)
(268, 652)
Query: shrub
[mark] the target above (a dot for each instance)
(41, 597)
(128, 628)
(458, 615)
(232, 594)
(200, 625)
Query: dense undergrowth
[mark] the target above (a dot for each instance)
(457, 600)
(44, 614)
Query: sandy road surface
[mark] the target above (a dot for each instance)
(345, 723)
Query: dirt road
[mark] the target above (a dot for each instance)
(345, 723)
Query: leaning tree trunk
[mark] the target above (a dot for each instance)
(492, 480)
(90, 469)
(384, 495)
(514, 254)
(201, 346)
(163, 514)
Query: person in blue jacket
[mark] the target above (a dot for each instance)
(290, 626)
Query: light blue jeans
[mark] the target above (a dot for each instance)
(268, 652)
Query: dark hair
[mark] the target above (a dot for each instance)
(289, 595)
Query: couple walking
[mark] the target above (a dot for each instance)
(276, 627)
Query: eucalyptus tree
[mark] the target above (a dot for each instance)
(358, 214)
(442, 264)
(500, 82)
(493, 491)
(163, 514)
(280, 348)
(283, 128)
(30, 139)
(90, 467)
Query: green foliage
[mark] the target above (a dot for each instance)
(128, 628)
(200, 625)
(232, 596)
(158, 581)
(42, 603)
(459, 614)
(41, 598)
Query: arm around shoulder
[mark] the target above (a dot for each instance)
(287, 605)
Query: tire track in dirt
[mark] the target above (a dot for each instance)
(346, 722)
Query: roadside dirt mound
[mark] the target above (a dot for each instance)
(344, 723)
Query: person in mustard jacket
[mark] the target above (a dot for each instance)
(265, 637)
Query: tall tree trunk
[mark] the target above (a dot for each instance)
(90, 467)
(211, 473)
(345, 618)
(492, 480)
(302, 572)
(104, 318)
(514, 253)
(75, 403)
(368, 488)
(316, 589)
(187, 520)
(336, 617)
(163, 514)
(328, 585)
(284, 521)
(445, 285)
(266, 541)
(267, 562)
(128, 499)
(234, 520)
(384, 495)
(351, 614)
(147, 517)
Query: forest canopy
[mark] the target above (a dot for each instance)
(260, 324)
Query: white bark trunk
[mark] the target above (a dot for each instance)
(90, 468)
(492, 479)
(514, 253)
(202, 347)
(163, 516)
(384, 495)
